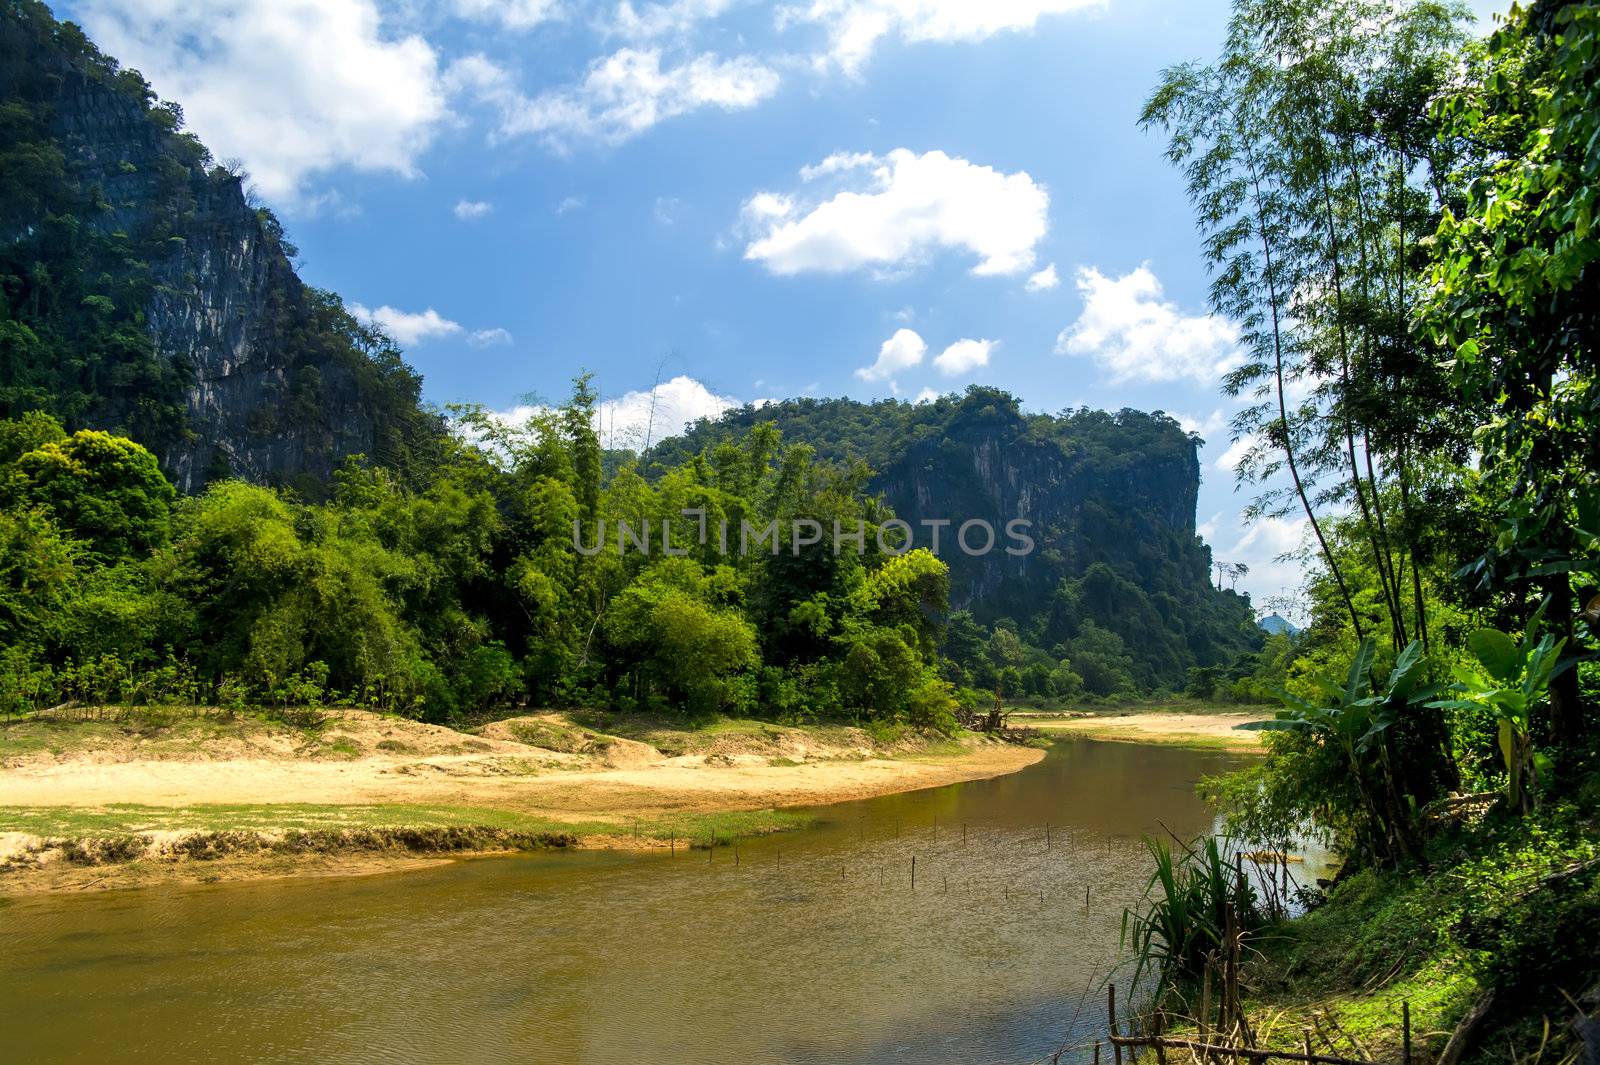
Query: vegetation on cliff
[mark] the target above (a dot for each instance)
(141, 291)
(1117, 599)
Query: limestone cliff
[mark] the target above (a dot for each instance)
(145, 292)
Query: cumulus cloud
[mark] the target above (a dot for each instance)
(293, 88)
(673, 18)
(569, 203)
(1270, 547)
(1208, 428)
(406, 328)
(1043, 280)
(856, 27)
(1230, 460)
(900, 352)
(645, 416)
(467, 210)
(926, 395)
(964, 356)
(489, 338)
(510, 14)
(621, 96)
(1136, 334)
(893, 212)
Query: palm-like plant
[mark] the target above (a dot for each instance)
(1354, 719)
(1513, 681)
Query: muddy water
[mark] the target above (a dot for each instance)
(813, 947)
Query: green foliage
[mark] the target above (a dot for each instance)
(104, 490)
(1513, 683)
(1191, 900)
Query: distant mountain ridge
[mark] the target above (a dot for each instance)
(144, 292)
(1111, 498)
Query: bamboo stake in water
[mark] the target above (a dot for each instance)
(913, 872)
(1111, 1014)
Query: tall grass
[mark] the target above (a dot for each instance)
(1196, 906)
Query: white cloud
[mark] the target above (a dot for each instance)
(677, 17)
(1043, 280)
(927, 395)
(855, 27)
(406, 328)
(1133, 332)
(488, 338)
(510, 14)
(1208, 427)
(893, 212)
(467, 210)
(631, 420)
(666, 210)
(1229, 460)
(1208, 528)
(900, 352)
(293, 88)
(1262, 548)
(964, 356)
(569, 203)
(627, 421)
(621, 96)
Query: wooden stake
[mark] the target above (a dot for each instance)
(1111, 1014)
(913, 872)
(1405, 1031)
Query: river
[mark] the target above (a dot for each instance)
(812, 947)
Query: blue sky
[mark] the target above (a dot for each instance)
(820, 197)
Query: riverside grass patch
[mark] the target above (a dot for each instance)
(130, 819)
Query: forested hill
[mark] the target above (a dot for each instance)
(1111, 498)
(143, 292)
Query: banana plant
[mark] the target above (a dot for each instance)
(1355, 718)
(1513, 681)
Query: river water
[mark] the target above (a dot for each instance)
(813, 947)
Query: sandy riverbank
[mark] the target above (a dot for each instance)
(1212, 730)
(262, 799)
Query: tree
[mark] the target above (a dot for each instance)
(1516, 296)
(106, 490)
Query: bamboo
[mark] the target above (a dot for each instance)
(1405, 1031)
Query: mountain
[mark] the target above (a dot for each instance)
(142, 290)
(1276, 625)
(1111, 499)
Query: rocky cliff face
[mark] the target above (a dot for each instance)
(993, 467)
(276, 383)
(1110, 498)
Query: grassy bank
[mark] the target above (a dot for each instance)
(66, 848)
(1496, 936)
